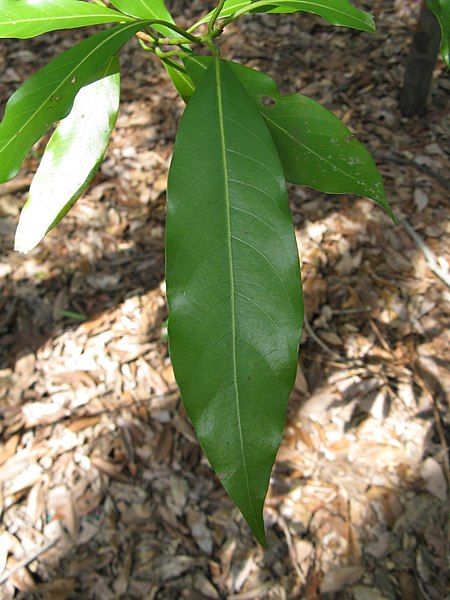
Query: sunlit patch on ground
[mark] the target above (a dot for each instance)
(104, 489)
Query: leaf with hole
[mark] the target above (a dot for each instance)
(48, 95)
(71, 158)
(315, 147)
(28, 18)
(233, 286)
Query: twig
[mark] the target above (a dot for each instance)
(292, 551)
(321, 343)
(12, 187)
(26, 561)
(430, 257)
(439, 426)
(351, 311)
(400, 160)
(379, 336)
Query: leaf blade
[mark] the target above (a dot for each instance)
(71, 158)
(336, 12)
(147, 9)
(315, 147)
(180, 79)
(233, 348)
(441, 8)
(28, 18)
(48, 95)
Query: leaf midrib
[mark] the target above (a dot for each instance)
(296, 140)
(110, 15)
(150, 10)
(231, 268)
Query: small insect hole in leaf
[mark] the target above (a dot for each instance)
(268, 101)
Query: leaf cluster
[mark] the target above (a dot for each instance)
(233, 275)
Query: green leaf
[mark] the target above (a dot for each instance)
(156, 9)
(28, 18)
(315, 147)
(48, 95)
(233, 285)
(230, 8)
(336, 12)
(441, 9)
(71, 158)
(147, 9)
(180, 79)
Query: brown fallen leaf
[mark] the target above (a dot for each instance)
(83, 423)
(111, 469)
(9, 448)
(337, 579)
(61, 506)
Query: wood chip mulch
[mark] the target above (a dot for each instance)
(104, 491)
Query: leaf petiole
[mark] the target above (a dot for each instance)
(214, 18)
(185, 35)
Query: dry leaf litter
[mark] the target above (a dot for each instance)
(104, 491)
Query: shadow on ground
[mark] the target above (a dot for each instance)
(96, 448)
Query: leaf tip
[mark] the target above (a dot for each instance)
(22, 244)
(261, 538)
(371, 26)
(385, 205)
(257, 526)
(28, 233)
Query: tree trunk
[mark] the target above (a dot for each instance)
(420, 64)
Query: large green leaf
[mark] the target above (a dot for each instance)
(146, 9)
(315, 147)
(48, 95)
(336, 12)
(441, 9)
(28, 18)
(71, 158)
(233, 285)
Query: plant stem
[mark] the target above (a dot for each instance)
(166, 55)
(144, 46)
(152, 43)
(214, 17)
(151, 34)
(144, 37)
(185, 35)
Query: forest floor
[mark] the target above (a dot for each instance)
(102, 481)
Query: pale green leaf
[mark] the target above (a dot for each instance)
(28, 18)
(233, 285)
(71, 157)
(48, 95)
(147, 9)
